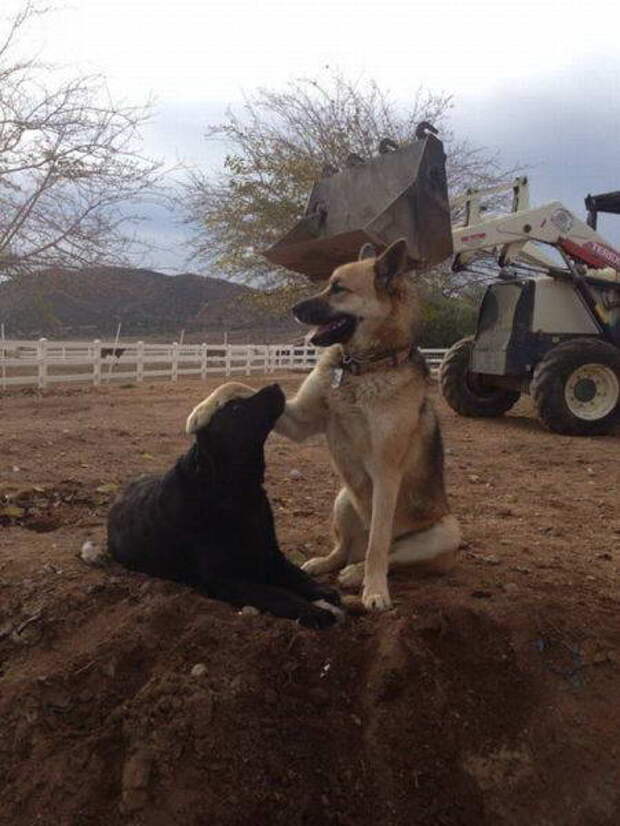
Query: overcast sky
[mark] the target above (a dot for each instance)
(539, 81)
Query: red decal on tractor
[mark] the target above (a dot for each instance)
(593, 253)
(468, 239)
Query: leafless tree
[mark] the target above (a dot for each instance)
(278, 146)
(71, 172)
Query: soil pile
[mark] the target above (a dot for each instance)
(434, 714)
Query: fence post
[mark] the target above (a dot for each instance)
(203, 361)
(227, 361)
(3, 358)
(42, 363)
(248, 368)
(140, 362)
(174, 375)
(97, 362)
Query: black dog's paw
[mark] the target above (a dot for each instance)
(317, 618)
(330, 595)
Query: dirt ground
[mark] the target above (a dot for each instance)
(485, 698)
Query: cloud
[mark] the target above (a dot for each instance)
(563, 128)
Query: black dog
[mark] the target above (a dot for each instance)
(208, 521)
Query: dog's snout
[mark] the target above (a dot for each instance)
(275, 391)
(311, 311)
(300, 309)
(273, 395)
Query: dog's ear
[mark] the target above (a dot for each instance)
(203, 454)
(202, 438)
(391, 263)
(367, 251)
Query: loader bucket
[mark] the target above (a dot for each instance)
(399, 194)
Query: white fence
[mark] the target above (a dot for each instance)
(44, 362)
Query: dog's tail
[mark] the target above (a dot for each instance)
(424, 546)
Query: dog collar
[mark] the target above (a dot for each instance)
(357, 365)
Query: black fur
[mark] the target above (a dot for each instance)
(208, 522)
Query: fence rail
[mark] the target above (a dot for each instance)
(42, 362)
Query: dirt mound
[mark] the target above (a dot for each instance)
(94, 300)
(44, 508)
(487, 698)
(433, 714)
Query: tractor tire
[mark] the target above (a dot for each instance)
(576, 387)
(464, 390)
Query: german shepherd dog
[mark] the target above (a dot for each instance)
(207, 522)
(368, 394)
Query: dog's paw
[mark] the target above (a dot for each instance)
(352, 576)
(201, 415)
(317, 618)
(376, 598)
(327, 594)
(329, 606)
(318, 565)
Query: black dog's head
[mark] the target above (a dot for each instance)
(234, 434)
(247, 421)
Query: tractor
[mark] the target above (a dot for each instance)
(548, 325)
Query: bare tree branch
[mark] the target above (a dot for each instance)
(278, 146)
(71, 172)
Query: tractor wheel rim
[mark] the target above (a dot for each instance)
(592, 391)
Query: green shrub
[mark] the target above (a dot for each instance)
(447, 320)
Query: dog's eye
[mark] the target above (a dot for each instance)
(337, 287)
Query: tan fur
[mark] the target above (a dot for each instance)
(202, 413)
(380, 428)
(389, 317)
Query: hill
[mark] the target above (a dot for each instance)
(94, 301)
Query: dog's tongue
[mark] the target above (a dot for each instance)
(331, 325)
